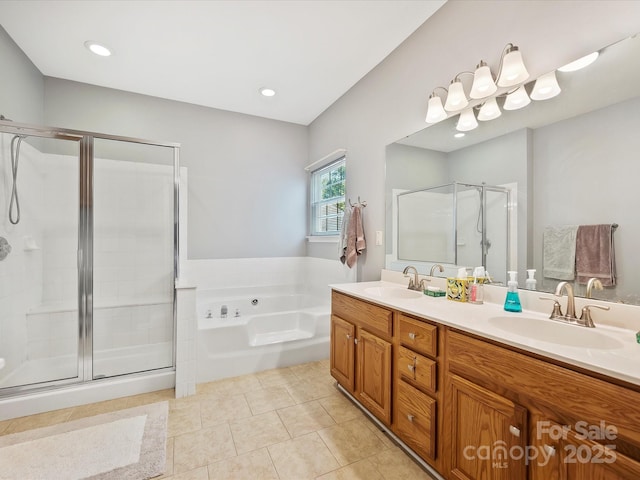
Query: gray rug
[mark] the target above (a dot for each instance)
(128, 444)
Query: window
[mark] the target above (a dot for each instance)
(327, 198)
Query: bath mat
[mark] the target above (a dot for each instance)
(127, 444)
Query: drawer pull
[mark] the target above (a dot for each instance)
(348, 336)
(515, 431)
(412, 335)
(410, 418)
(551, 451)
(355, 340)
(411, 368)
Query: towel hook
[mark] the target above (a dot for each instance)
(359, 204)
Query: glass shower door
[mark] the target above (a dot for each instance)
(40, 324)
(133, 257)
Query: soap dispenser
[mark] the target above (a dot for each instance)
(512, 302)
(530, 283)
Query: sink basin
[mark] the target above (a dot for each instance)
(392, 292)
(552, 331)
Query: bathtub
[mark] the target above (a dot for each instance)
(264, 328)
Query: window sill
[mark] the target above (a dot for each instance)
(323, 238)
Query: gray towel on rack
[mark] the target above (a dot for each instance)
(342, 243)
(595, 254)
(559, 252)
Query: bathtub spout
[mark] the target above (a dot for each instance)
(223, 311)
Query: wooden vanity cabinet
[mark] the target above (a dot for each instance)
(492, 391)
(361, 352)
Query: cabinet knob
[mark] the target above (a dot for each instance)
(411, 368)
(348, 336)
(412, 335)
(355, 340)
(515, 431)
(551, 451)
(410, 418)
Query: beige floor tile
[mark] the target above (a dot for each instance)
(207, 445)
(215, 410)
(195, 474)
(258, 431)
(254, 465)
(38, 420)
(305, 418)
(388, 443)
(309, 370)
(4, 425)
(183, 418)
(168, 466)
(230, 386)
(99, 408)
(306, 390)
(394, 464)
(340, 408)
(351, 441)
(301, 458)
(278, 376)
(362, 470)
(268, 399)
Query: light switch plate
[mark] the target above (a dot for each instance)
(378, 237)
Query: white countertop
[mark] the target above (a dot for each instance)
(621, 360)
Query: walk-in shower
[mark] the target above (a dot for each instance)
(87, 289)
(460, 224)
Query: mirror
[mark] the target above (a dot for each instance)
(573, 158)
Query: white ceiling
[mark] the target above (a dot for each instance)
(218, 53)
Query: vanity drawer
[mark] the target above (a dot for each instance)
(418, 335)
(366, 315)
(416, 420)
(421, 370)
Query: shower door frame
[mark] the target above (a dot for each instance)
(85, 247)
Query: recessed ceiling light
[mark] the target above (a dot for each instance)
(458, 135)
(580, 63)
(267, 92)
(97, 48)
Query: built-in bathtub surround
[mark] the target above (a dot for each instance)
(277, 312)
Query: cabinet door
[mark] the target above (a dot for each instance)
(486, 431)
(342, 352)
(567, 454)
(374, 375)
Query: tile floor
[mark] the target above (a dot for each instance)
(289, 423)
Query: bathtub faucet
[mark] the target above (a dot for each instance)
(223, 311)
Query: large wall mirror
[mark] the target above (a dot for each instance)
(570, 160)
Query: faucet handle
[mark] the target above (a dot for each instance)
(557, 309)
(585, 318)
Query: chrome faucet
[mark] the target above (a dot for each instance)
(414, 283)
(571, 304)
(593, 283)
(438, 266)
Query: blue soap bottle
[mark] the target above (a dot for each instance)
(512, 302)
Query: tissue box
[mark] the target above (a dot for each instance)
(458, 289)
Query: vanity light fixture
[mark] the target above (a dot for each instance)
(517, 99)
(579, 63)
(467, 121)
(267, 92)
(511, 73)
(456, 99)
(483, 84)
(97, 48)
(546, 87)
(435, 110)
(512, 70)
(489, 110)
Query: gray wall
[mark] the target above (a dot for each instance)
(390, 102)
(21, 84)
